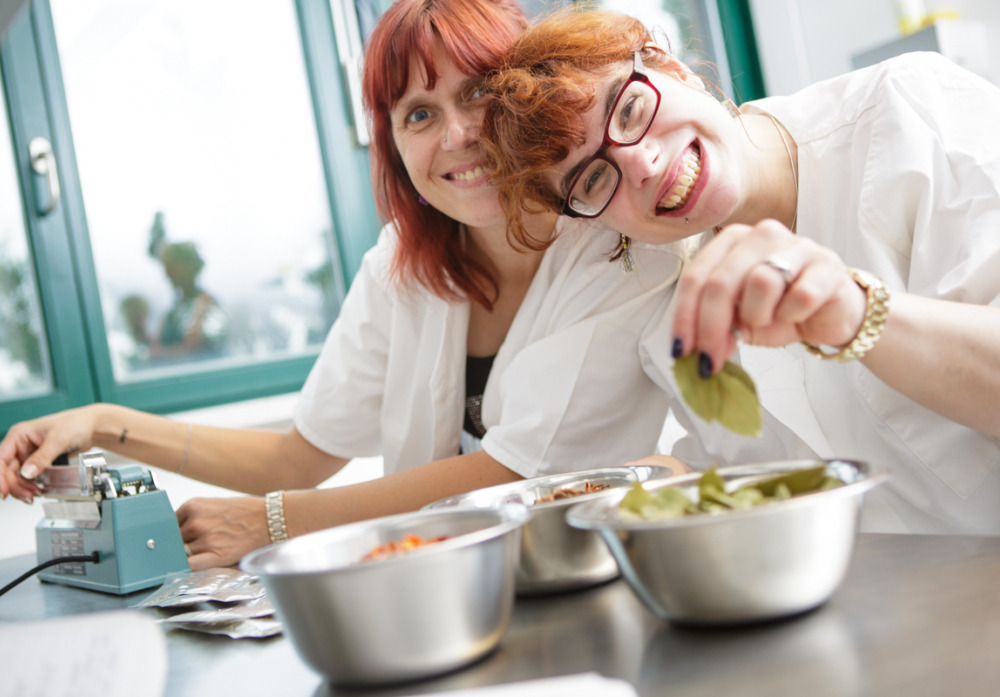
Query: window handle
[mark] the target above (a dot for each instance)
(45, 176)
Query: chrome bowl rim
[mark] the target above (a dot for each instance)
(642, 473)
(594, 514)
(511, 516)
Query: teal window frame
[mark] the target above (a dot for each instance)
(60, 247)
(741, 50)
(54, 266)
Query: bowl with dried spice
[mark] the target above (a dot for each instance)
(399, 598)
(555, 557)
(737, 544)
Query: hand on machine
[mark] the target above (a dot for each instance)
(107, 528)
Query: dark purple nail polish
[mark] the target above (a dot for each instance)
(704, 365)
(677, 350)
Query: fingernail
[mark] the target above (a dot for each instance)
(29, 471)
(704, 365)
(677, 350)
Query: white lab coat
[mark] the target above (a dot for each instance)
(899, 173)
(566, 391)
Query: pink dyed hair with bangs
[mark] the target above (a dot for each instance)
(474, 34)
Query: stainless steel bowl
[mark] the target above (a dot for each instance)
(738, 566)
(555, 557)
(406, 617)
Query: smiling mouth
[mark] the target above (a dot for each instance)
(466, 176)
(678, 196)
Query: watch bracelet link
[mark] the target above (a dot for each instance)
(876, 313)
(274, 509)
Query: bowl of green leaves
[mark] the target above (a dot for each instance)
(735, 545)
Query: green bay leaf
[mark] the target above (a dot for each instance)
(798, 481)
(636, 498)
(728, 397)
(739, 408)
(695, 391)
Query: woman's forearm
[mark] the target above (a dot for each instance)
(250, 461)
(306, 511)
(219, 532)
(945, 356)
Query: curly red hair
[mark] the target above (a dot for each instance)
(547, 82)
(474, 34)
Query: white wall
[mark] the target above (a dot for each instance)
(803, 41)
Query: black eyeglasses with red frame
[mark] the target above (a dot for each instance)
(596, 181)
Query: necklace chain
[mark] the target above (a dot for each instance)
(791, 163)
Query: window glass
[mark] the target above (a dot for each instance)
(689, 29)
(24, 364)
(368, 13)
(202, 182)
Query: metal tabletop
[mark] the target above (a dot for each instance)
(915, 616)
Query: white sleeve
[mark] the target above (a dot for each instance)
(568, 391)
(340, 404)
(935, 133)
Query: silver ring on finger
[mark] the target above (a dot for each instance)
(187, 550)
(782, 267)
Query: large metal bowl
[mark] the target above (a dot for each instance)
(741, 566)
(406, 617)
(555, 557)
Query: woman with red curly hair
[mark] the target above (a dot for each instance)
(462, 358)
(851, 228)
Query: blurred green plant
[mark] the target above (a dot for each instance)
(19, 332)
(324, 279)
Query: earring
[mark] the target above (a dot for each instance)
(628, 266)
(423, 201)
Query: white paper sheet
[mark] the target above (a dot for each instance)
(108, 654)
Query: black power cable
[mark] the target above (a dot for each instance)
(94, 557)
